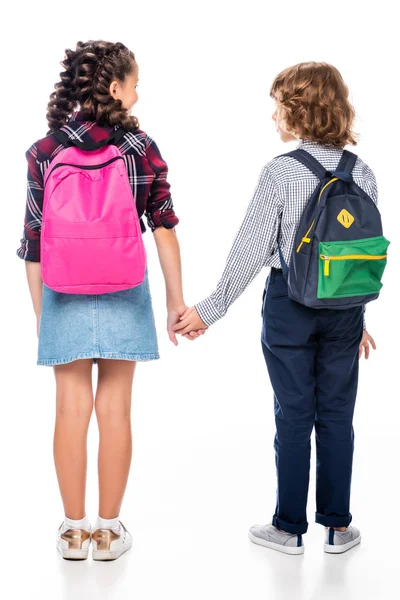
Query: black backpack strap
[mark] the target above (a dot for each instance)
(66, 141)
(310, 162)
(119, 134)
(315, 167)
(345, 166)
(347, 161)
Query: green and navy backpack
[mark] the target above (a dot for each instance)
(340, 253)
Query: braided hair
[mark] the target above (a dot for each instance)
(89, 71)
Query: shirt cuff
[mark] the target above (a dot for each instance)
(166, 218)
(29, 250)
(207, 311)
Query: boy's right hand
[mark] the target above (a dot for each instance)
(364, 345)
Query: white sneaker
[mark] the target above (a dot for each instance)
(271, 537)
(337, 542)
(109, 544)
(73, 544)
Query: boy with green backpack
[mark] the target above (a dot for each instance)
(313, 219)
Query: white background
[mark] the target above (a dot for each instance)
(203, 468)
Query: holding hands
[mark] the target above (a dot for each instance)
(185, 321)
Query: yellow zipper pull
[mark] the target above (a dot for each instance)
(326, 265)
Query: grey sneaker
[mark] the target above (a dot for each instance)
(337, 542)
(271, 537)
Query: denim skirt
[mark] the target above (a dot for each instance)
(117, 325)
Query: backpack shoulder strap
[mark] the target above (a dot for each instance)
(308, 161)
(66, 141)
(346, 163)
(315, 167)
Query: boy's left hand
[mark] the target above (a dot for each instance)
(364, 345)
(190, 322)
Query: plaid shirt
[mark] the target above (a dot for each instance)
(284, 188)
(146, 168)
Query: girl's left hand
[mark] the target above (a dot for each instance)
(364, 345)
(190, 322)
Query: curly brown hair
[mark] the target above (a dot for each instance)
(89, 71)
(315, 103)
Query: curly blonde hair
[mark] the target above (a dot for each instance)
(89, 71)
(315, 103)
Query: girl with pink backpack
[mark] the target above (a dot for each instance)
(90, 180)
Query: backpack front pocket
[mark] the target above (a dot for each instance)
(352, 268)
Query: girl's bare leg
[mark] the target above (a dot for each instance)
(113, 411)
(74, 406)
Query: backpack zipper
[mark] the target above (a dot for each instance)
(88, 167)
(327, 259)
(306, 239)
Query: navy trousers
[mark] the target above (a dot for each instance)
(312, 360)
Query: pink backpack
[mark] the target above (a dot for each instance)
(91, 239)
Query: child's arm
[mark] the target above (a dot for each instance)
(29, 249)
(30, 243)
(35, 283)
(162, 220)
(170, 260)
(372, 190)
(253, 245)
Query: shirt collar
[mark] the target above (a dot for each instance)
(309, 144)
(77, 115)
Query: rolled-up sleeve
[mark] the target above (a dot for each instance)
(29, 248)
(159, 209)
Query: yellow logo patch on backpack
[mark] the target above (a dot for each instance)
(345, 218)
